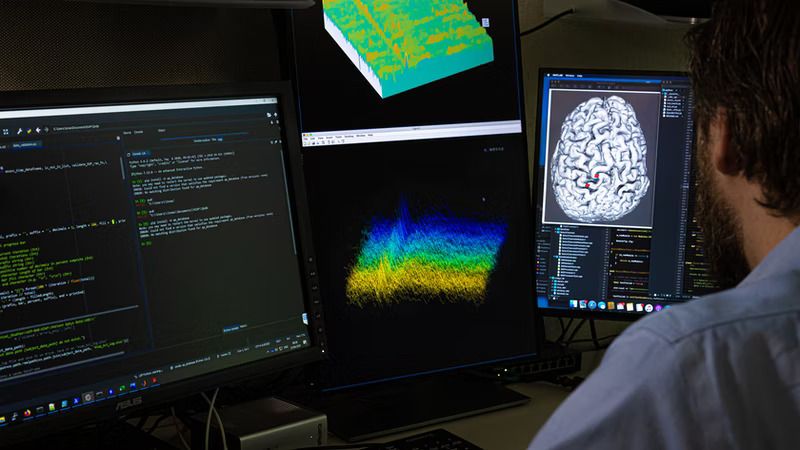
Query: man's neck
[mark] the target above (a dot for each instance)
(762, 231)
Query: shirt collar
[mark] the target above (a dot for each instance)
(784, 258)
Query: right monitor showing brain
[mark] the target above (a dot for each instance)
(615, 194)
(601, 157)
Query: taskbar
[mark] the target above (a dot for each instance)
(118, 388)
(628, 306)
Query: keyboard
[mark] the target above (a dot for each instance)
(439, 439)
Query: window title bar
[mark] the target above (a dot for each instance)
(140, 107)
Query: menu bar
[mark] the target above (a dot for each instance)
(326, 138)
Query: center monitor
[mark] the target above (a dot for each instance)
(411, 116)
(415, 156)
(615, 231)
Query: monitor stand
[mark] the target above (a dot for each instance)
(377, 410)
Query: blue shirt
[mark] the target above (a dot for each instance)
(722, 371)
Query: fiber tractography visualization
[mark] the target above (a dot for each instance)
(435, 257)
(403, 44)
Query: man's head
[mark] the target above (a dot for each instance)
(745, 69)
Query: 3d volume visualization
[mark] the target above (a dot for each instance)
(432, 258)
(403, 44)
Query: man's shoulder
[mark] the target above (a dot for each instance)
(717, 372)
(752, 306)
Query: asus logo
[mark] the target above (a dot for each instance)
(130, 403)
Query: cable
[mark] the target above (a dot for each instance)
(566, 381)
(579, 341)
(346, 446)
(219, 420)
(564, 330)
(547, 22)
(210, 413)
(142, 421)
(575, 331)
(178, 430)
(156, 424)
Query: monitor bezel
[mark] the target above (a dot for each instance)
(306, 261)
(536, 190)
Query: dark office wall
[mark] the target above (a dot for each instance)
(61, 44)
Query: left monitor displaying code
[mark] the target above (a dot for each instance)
(140, 245)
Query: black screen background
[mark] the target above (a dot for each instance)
(349, 187)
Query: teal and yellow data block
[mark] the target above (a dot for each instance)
(436, 257)
(399, 45)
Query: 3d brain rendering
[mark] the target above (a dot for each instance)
(598, 170)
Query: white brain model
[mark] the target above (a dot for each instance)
(598, 170)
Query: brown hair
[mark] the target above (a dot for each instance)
(745, 60)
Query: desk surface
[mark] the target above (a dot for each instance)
(507, 429)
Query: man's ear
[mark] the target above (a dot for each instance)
(719, 145)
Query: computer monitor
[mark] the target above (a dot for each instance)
(411, 116)
(154, 243)
(614, 198)
(394, 71)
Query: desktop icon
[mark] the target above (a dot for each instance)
(639, 307)
(99, 395)
(573, 303)
(64, 404)
(592, 304)
(629, 307)
(76, 401)
(51, 407)
(582, 304)
(14, 416)
(659, 307)
(40, 410)
(611, 305)
(601, 305)
(27, 413)
(648, 308)
(2, 420)
(87, 397)
(621, 306)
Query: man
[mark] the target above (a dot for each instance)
(722, 371)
